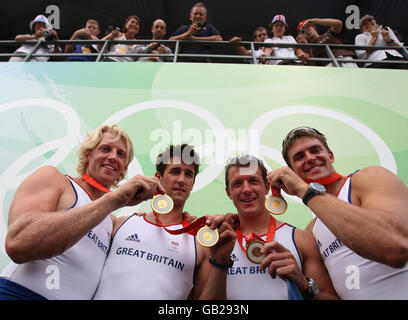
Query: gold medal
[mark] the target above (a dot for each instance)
(276, 204)
(207, 237)
(162, 204)
(253, 251)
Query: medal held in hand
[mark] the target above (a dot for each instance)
(275, 203)
(162, 204)
(253, 249)
(207, 237)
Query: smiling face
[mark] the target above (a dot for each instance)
(177, 180)
(132, 26)
(198, 15)
(247, 190)
(260, 35)
(309, 159)
(107, 161)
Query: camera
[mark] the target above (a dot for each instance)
(199, 25)
(47, 34)
(156, 46)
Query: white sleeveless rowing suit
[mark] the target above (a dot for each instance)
(353, 276)
(74, 274)
(146, 262)
(246, 282)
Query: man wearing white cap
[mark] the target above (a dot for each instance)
(41, 30)
(374, 35)
(278, 28)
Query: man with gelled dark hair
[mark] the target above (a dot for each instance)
(361, 223)
(153, 256)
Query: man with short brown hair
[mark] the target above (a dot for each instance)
(361, 223)
(199, 29)
(90, 32)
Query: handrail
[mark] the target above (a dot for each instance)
(176, 55)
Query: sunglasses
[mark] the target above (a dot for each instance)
(293, 132)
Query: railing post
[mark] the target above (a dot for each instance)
(404, 52)
(102, 51)
(331, 56)
(176, 49)
(36, 47)
(253, 53)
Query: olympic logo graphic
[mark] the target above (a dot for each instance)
(222, 145)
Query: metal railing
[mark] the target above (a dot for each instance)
(175, 44)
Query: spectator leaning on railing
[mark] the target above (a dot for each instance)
(374, 35)
(198, 30)
(159, 30)
(131, 29)
(41, 30)
(278, 28)
(90, 32)
(260, 34)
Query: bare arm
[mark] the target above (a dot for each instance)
(313, 266)
(375, 225)
(186, 35)
(27, 37)
(39, 224)
(241, 50)
(79, 34)
(215, 37)
(335, 25)
(283, 264)
(211, 281)
(114, 35)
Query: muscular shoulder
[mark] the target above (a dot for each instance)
(46, 176)
(370, 177)
(117, 222)
(374, 181)
(41, 191)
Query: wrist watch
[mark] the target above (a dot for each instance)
(312, 290)
(313, 189)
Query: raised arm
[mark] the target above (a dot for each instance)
(241, 50)
(282, 263)
(39, 224)
(375, 225)
(79, 34)
(210, 281)
(335, 25)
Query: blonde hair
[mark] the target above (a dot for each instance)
(94, 138)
